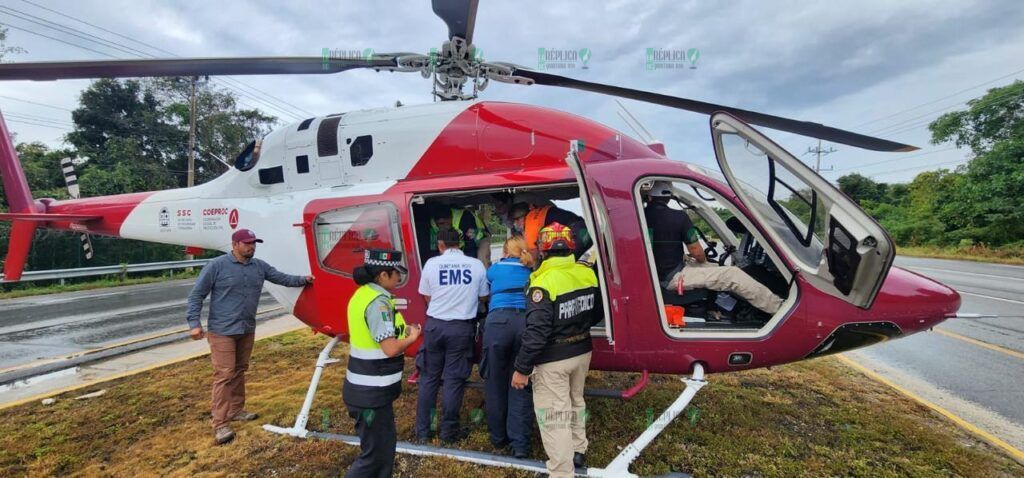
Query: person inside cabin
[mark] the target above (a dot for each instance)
(671, 229)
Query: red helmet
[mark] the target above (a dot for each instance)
(556, 237)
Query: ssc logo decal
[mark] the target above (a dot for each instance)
(233, 218)
(537, 296)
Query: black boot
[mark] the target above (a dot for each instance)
(579, 460)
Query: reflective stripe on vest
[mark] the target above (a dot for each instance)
(535, 221)
(368, 365)
(373, 380)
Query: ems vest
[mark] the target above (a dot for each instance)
(456, 220)
(535, 220)
(372, 379)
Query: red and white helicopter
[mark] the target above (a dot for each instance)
(322, 190)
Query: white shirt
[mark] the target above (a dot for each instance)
(454, 282)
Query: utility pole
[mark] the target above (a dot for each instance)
(192, 134)
(818, 152)
(191, 181)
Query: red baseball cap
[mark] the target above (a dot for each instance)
(246, 236)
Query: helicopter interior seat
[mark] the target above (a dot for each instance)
(688, 297)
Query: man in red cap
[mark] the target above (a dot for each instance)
(234, 283)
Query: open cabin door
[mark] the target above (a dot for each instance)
(597, 225)
(797, 208)
(341, 230)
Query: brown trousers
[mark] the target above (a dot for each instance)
(561, 411)
(727, 279)
(230, 357)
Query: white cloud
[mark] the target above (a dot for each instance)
(838, 63)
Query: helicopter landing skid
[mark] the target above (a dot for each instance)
(299, 429)
(619, 467)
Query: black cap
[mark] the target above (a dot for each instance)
(384, 258)
(450, 237)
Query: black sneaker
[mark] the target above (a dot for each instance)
(579, 460)
(520, 454)
(421, 440)
(460, 435)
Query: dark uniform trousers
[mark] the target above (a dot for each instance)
(377, 440)
(509, 411)
(447, 358)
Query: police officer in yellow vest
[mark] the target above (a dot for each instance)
(563, 303)
(378, 336)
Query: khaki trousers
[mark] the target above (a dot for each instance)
(230, 357)
(561, 411)
(727, 279)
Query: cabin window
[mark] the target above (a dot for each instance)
(302, 164)
(361, 150)
(790, 205)
(249, 156)
(342, 235)
(272, 175)
(327, 137)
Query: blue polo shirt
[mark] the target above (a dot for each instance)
(508, 278)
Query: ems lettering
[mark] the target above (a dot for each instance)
(454, 276)
(574, 307)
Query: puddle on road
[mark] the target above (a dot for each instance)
(19, 384)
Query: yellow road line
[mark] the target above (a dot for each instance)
(1014, 452)
(112, 346)
(127, 373)
(979, 343)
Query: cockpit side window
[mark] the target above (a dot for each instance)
(247, 159)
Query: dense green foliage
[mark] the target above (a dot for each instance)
(132, 136)
(979, 203)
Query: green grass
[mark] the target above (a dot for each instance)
(30, 290)
(998, 255)
(817, 418)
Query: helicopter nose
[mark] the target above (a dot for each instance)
(916, 302)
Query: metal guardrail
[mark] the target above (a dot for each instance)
(61, 274)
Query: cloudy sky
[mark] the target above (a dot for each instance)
(877, 67)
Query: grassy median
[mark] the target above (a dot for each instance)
(816, 418)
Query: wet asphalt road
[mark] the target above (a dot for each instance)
(52, 326)
(991, 379)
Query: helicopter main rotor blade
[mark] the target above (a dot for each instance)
(804, 128)
(61, 70)
(460, 15)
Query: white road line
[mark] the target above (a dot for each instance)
(965, 273)
(991, 297)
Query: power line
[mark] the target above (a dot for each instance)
(58, 27)
(57, 39)
(241, 84)
(958, 161)
(37, 118)
(899, 127)
(933, 101)
(116, 46)
(34, 103)
(896, 159)
(38, 124)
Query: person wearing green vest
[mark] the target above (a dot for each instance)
(470, 227)
(378, 336)
(563, 302)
